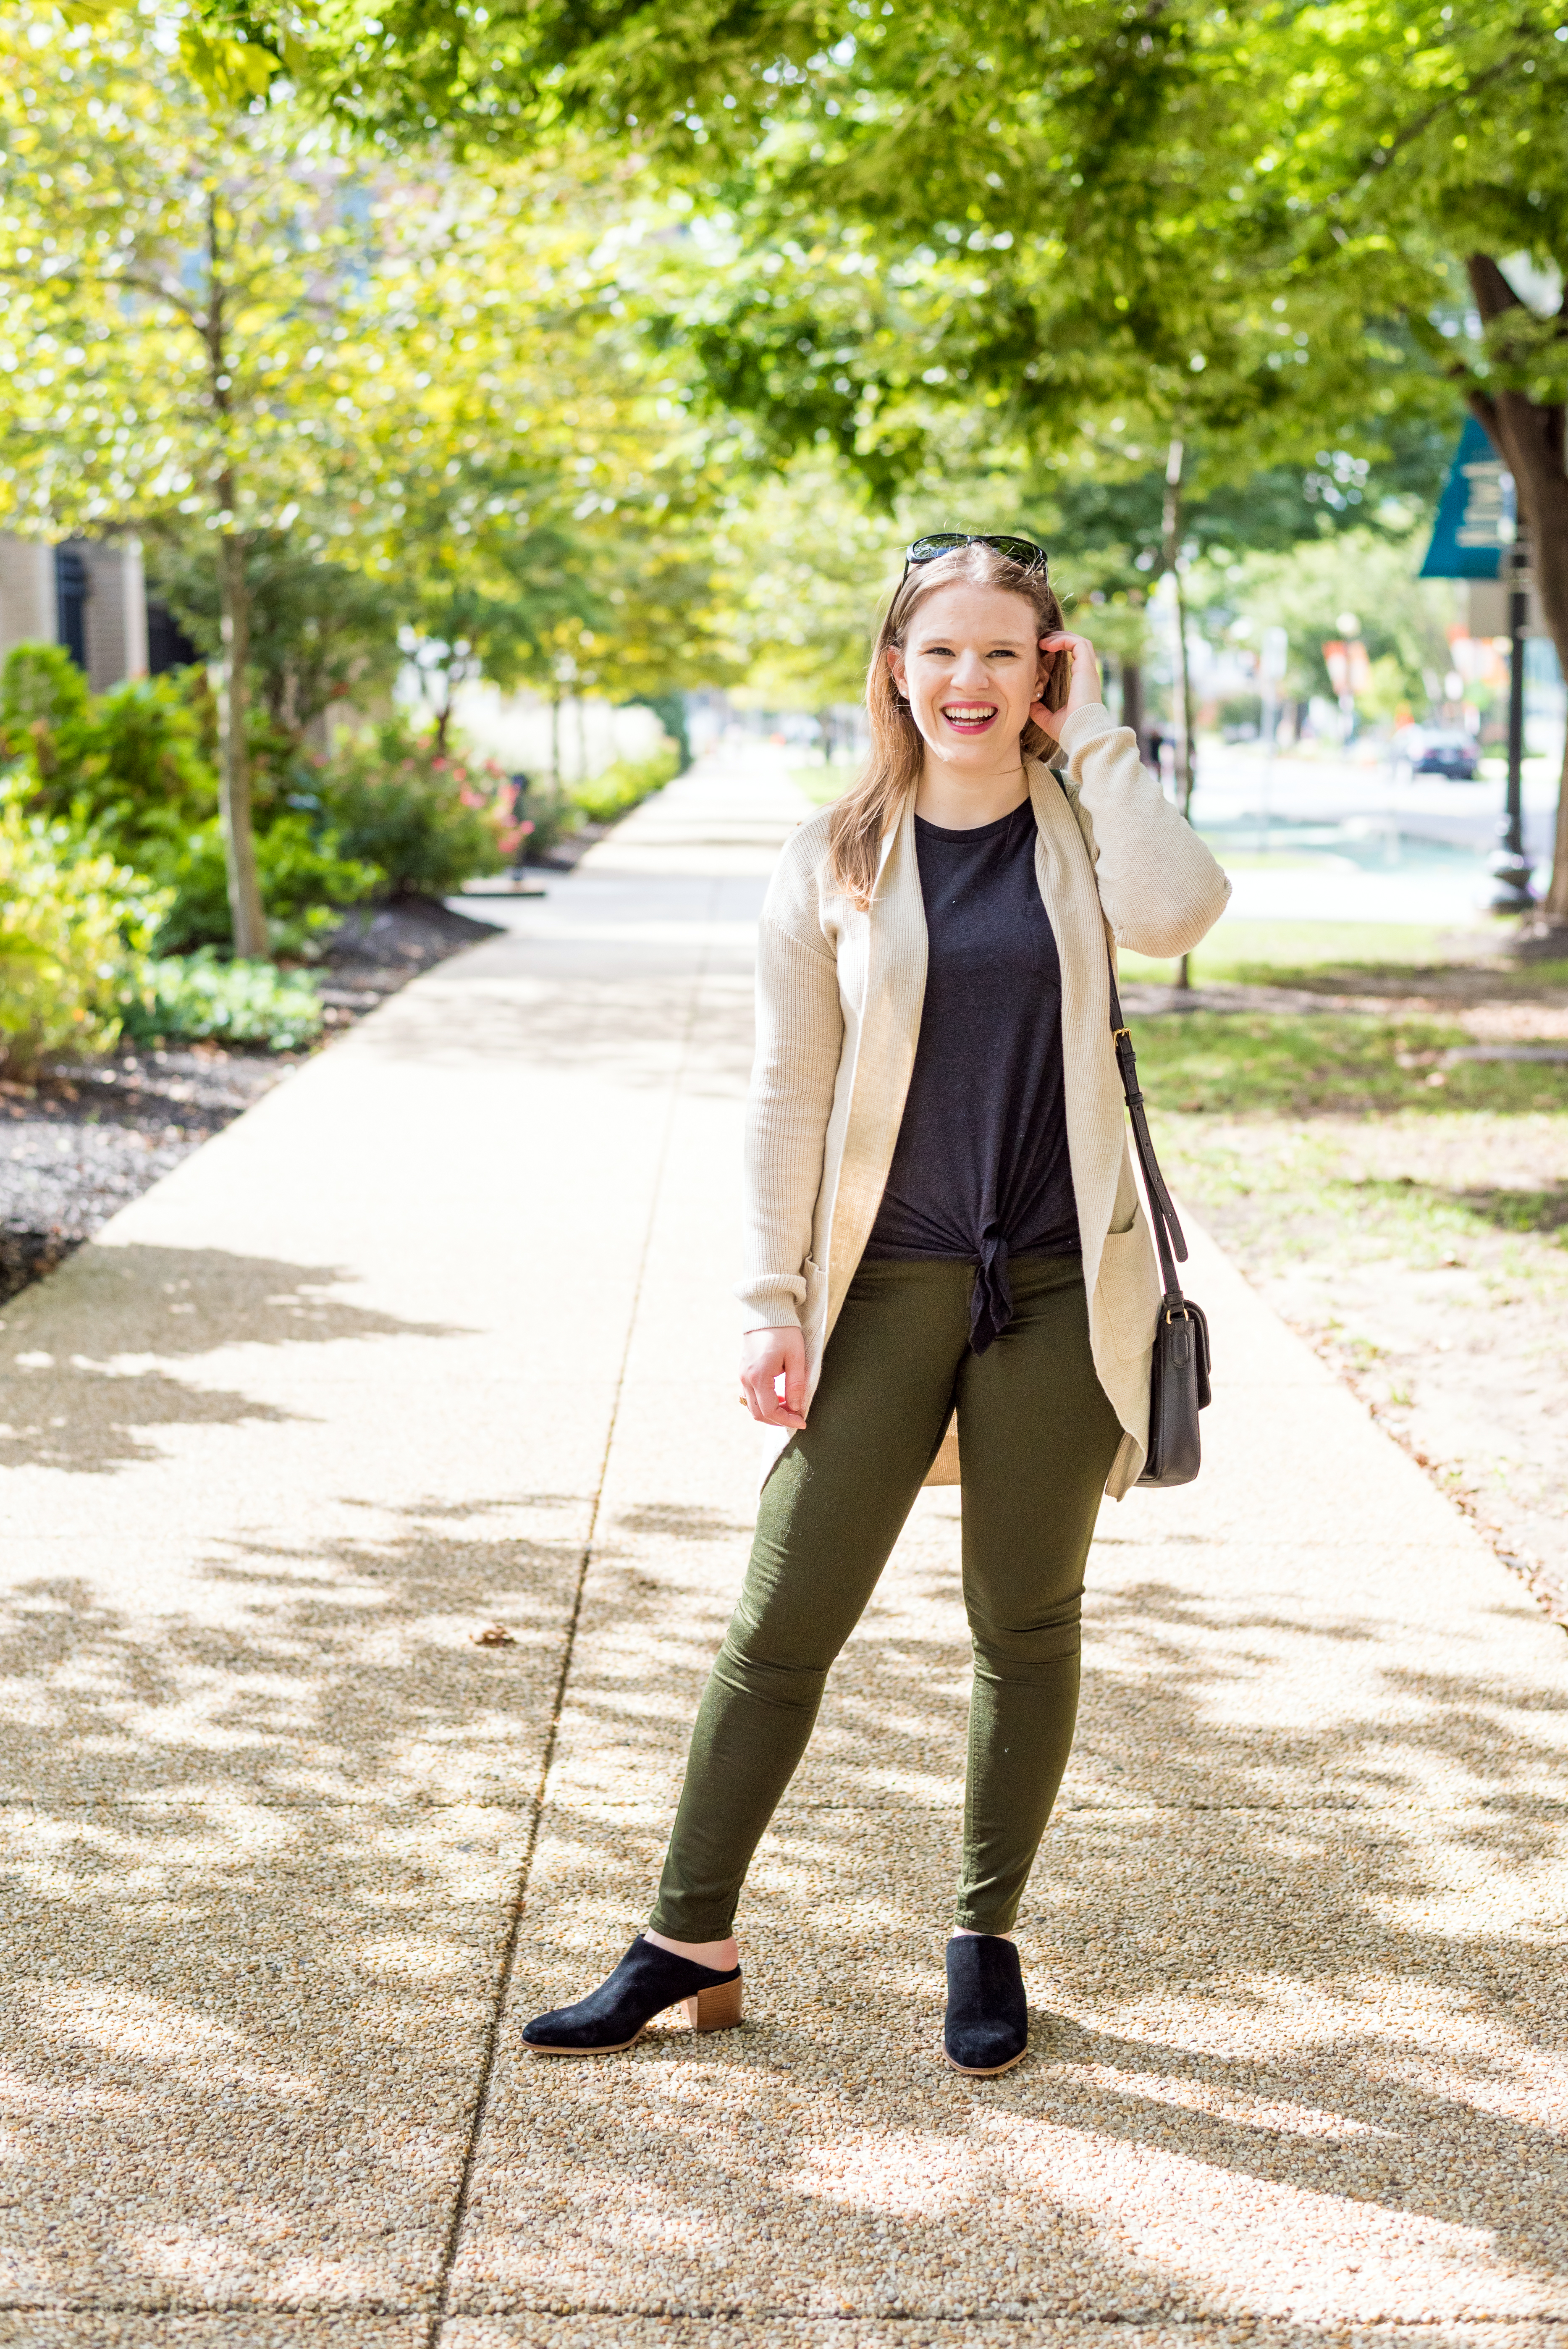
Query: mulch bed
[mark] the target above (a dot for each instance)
(87, 1138)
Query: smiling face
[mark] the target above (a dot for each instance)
(970, 666)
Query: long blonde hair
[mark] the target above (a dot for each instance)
(876, 800)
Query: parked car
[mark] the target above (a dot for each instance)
(1436, 751)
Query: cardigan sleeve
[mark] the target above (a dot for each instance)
(799, 1043)
(1160, 888)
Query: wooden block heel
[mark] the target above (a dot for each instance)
(714, 2010)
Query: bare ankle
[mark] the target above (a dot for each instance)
(720, 1956)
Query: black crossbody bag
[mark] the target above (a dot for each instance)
(1179, 1380)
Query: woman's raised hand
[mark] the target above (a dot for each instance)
(766, 1357)
(1085, 685)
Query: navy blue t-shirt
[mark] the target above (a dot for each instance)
(980, 1170)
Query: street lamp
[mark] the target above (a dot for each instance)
(1510, 866)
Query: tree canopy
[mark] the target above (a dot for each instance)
(1268, 227)
(218, 328)
(1012, 254)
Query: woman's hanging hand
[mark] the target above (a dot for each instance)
(1084, 689)
(767, 1356)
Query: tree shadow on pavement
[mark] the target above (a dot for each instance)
(79, 1402)
(1298, 2042)
(1301, 2046)
(259, 1861)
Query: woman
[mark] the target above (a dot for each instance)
(941, 1219)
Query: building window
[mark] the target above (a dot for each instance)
(71, 604)
(168, 646)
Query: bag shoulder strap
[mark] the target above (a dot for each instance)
(1168, 1240)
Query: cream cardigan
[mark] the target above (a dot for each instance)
(838, 997)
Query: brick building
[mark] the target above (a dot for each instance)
(89, 594)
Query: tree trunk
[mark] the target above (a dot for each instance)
(1185, 775)
(1133, 699)
(444, 720)
(1529, 441)
(248, 920)
(1181, 685)
(1181, 694)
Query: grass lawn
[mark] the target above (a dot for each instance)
(1407, 1211)
(1361, 1064)
(1315, 954)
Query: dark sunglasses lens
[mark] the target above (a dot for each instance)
(943, 542)
(1018, 549)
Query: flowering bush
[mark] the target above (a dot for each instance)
(429, 819)
(73, 931)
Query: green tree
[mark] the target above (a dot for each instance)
(807, 551)
(549, 512)
(215, 326)
(1409, 156)
(320, 632)
(182, 306)
(1403, 620)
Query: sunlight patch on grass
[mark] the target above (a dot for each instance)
(1268, 1064)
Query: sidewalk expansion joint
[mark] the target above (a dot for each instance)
(346, 2309)
(1258, 2324)
(739, 2312)
(519, 1895)
(1008, 2312)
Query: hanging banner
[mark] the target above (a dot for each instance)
(1476, 514)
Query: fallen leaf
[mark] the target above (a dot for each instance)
(494, 1635)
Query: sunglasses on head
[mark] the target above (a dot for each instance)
(948, 541)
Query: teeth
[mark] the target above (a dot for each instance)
(983, 709)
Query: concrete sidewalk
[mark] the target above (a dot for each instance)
(439, 1335)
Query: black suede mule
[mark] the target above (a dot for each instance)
(986, 2028)
(646, 1981)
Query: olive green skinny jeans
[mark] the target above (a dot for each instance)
(1037, 1435)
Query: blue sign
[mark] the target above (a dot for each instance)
(1475, 515)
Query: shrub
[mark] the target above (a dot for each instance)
(189, 998)
(622, 785)
(73, 930)
(428, 820)
(320, 632)
(551, 818)
(306, 883)
(135, 766)
(129, 764)
(670, 709)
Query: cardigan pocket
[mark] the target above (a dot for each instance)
(1129, 1288)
